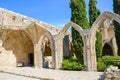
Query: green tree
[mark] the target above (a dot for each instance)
(98, 45)
(93, 11)
(93, 14)
(78, 12)
(116, 9)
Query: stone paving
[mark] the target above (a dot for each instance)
(5, 76)
(22, 73)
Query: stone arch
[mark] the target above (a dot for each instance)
(62, 34)
(75, 26)
(52, 47)
(106, 15)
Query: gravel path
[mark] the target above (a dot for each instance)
(51, 74)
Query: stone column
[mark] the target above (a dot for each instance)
(89, 58)
(92, 65)
(37, 56)
(36, 64)
(58, 52)
(115, 48)
(87, 61)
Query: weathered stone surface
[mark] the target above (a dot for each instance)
(111, 73)
(7, 59)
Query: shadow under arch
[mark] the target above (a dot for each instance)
(107, 50)
(104, 16)
(46, 34)
(19, 43)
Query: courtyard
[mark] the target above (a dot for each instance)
(29, 73)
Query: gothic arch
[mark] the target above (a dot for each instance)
(79, 29)
(75, 26)
(52, 46)
(106, 15)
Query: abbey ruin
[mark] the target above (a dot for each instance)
(26, 41)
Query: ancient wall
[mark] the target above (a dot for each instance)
(9, 19)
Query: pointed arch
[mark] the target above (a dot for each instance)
(62, 34)
(47, 34)
(74, 25)
(106, 15)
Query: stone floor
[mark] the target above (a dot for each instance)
(28, 73)
(6, 76)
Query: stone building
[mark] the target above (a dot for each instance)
(25, 41)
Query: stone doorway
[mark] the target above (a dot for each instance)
(107, 50)
(30, 59)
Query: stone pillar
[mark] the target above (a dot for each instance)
(115, 48)
(36, 63)
(92, 66)
(87, 61)
(37, 56)
(89, 58)
(58, 52)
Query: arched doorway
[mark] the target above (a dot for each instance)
(107, 50)
(47, 52)
(99, 21)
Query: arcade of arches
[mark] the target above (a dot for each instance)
(28, 42)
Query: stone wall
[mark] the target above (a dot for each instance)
(9, 19)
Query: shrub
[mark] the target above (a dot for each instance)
(72, 64)
(101, 66)
(106, 61)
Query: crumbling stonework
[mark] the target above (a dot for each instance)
(111, 73)
(31, 41)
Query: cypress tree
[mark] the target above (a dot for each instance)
(116, 9)
(93, 11)
(78, 12)
(93, 14)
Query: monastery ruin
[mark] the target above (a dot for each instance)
(27, 42)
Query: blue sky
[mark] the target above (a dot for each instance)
(55, 12)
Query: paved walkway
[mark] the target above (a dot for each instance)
(5, 76)
(41, 74)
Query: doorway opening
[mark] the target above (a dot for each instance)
(30, 59)
(107, 50)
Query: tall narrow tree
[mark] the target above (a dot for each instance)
(116, 9)
(78, 15)
(93, 14)
(93, 11)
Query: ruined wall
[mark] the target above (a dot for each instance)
(9, 19)
(107, 33)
